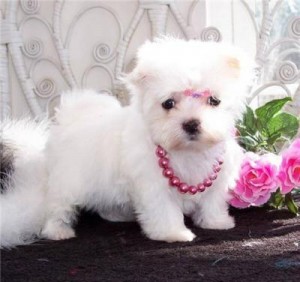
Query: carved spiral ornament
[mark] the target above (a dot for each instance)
(287, 72)
(21, 17)
(33, 48)
(45, 88)
(102, 53)
(30, 6)
(211, 34)
(294, 27)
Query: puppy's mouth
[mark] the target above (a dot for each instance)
(193, 137)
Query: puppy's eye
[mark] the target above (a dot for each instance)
(168, 104)
(213, 101)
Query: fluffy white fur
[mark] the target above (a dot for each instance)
(101, 156)
(22, 206)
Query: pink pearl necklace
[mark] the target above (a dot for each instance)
(175, 181)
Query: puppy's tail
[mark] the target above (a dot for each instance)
(22, 181)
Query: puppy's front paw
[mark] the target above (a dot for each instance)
(182, 236)
(224, 222)
(57, 232)
(185, 235)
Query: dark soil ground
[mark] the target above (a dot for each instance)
(265, 246)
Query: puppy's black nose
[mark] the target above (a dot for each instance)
(191, 127)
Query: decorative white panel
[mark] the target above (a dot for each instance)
(277, 32)
(51, 46)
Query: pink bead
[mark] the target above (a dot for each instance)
(168, 172)
(183, 188)
(220, 161)
(160, 152)
(193, 190)
(213, 176)
(201, 187)
(163, 162)
(207, 183)
(217, 168)
(174, 181)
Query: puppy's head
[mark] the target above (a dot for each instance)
(190, 93)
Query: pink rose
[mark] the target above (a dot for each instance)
(257, 180)
(289, 172)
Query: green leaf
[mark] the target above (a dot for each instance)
(247, 140)
(291, 205)
(260, 127)
(267, 111)
(249, 121)
(241, 128)
(272, 140)
(282, 124)
(248, 143)
(277, 200)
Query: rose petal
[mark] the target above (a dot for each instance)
(296, 175)
(235, 202)
(258, 178)
(263, 199)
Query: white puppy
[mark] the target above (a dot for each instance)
(157, 159)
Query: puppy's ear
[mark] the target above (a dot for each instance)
(137, 82)
(139, 79)
(142, 66)
(238, 66)
(233, 63)
(232, 66)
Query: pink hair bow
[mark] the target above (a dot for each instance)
(197, 94)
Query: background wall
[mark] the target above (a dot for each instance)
(51, 46)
